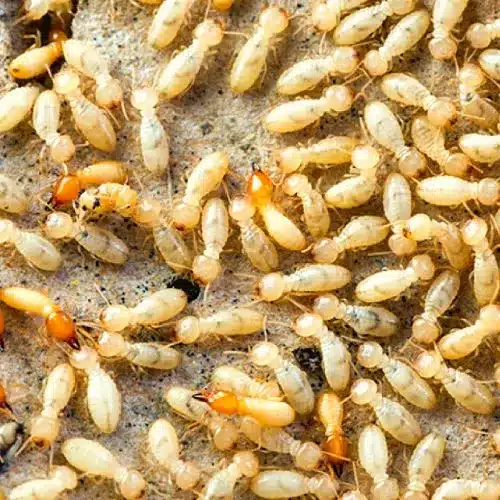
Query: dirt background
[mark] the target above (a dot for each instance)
(208, 118)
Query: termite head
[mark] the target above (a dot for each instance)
(363, 391)
(458, 165)
(185, 216)
(206, 269)
(7, 230)
(61, 326)
(428, 364)
(62, 148)
(220, 401)
(478, 36)
(222, 5)
(9, 433)
(4, 405)
(271, 287)
(111, 344)
(474, 231)
(66, 190)
(241, 209)
(295, 184)
(386, 489)
(148, 212)
(264, 354)
(442, 48)
(115, 318)
(132, 485)
(84, 359)
(307, 325)
(325, 16)
(274, 20)
(375, 64)
(424, 330)
(57, 36)
(187, 329)
(109, 94)
(365, 157)
(288, 160)
(327, 306)
(44, 430)
(259, 188)
(412, 163)
(325, 251)
(442, 112)
(339, 98)
(402, 7)
(247, 463)
(370, 355)
(423, 267)
(487, 191)
(418, 228)
(336, 447)
(401, 245)
(66, 476)
(489, 316)
(344, 60)
(210, 32)
(472, 76)
(144, 99)
(66, 82)
(58, 225)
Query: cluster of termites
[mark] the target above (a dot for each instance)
(280, 207)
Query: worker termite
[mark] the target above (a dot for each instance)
(395, 419)
(306, 74)
(386, 130)
(489, 60)
(357, 190)
(335, 356)
(173, 248)
(463, 489)
(103, 398)
(91, 121)
(401, 377)
(36, 9)
(445, 16)
(10, 439)
(296, 115)
(481, 35)
(251, 59)
(37, 250)
(181, 71)
(15, 106)
(402, 37)
(57, 323)
(325, 14)
(279, 226)
(464, 389)
(94, 459)
(374, 457)
(480, 147)
(293, 381)
(163, 444)
(440, 296)
(307, 455)
(223, 432)
(12, 197)
(316, 214)
(100, 242)
(386, 285)
(167, 22)
(359, 25)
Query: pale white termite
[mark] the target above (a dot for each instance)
(223, 432)
(36, 249)
(86, 59)
(9, 434)
(336, 358)
(424, 460)
(205, 178)
(296, 115)
(464, 389)
(386, 285)
(151, 311)
(306, 454)
(306, 74)
(480, 147)
(402, 378)
(486, 272)
(325, 14)
(173, 248)
(402, 37)
(94, 459)
(386, 130)
(463, 489)
(316, 214)
(440, 296)
(446, 15)
(374, 457)
(61, 478)
(489, 60)
(257, 246)
(36, 9)
(15, 106)
(167, 22)
(251, 59)
(12, 197)
(163, 444)
(395, 419)
(181, 71)
(154, 140)
(292, 380)
(100, 242)
(91, 121)
(359, 25)
(446, 190)
(481, 35)
(364, 320)
(46, 120)
(461, 342)
(291, 484)
(356, 190)
(103, 398)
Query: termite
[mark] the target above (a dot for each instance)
(163, 444)
(402, 37)
(489, 60)
(440, 296)
(167, 22)
(402, 378)
(36, 9)
(16, 105)
(12, 197)
(103, 398)
(251, 59)
(9, 434)
(325, 14)
(335, 356)
(223, 432)
(222, 5)
(306, 74)
(91, 121)
(386, 130)
(481, 35)
(386, 285)
(464, 389)
(173, 248)
(94, 459)
(296, 115)
(279, 226)
(100, 242)
(463, 489)
(4, 404)
(306, 455)
(293, 381)
(37, 250)
(394, 418)
(480, 147)
(180, 72)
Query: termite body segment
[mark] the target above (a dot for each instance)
(489, 60)
(36, 9)
(481, 35)
(173, 248)
(480, 147)
(325, 14)
(15, 106)
(167, 22)
(12, 197)
(463, 489)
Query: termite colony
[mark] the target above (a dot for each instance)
(370, 270)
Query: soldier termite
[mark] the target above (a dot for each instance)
(94, 459)
(12, 197)
(15, 106)
(251, 58)
(481, 35)
(480, 147)
(167, 22)
(463, 489)
(489, 60)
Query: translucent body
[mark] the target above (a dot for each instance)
(489, 60)
(15, 106)
(12, 197)
(330, 412)
(386, 130)
(93, 459)
(103, 398)
(251, 58)
(481, 35)
(9, 433)
(480, 147)
(173, 248)
(462, 489)
(36, 9)
(167, 22)
(325, 14)
(386, 285)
